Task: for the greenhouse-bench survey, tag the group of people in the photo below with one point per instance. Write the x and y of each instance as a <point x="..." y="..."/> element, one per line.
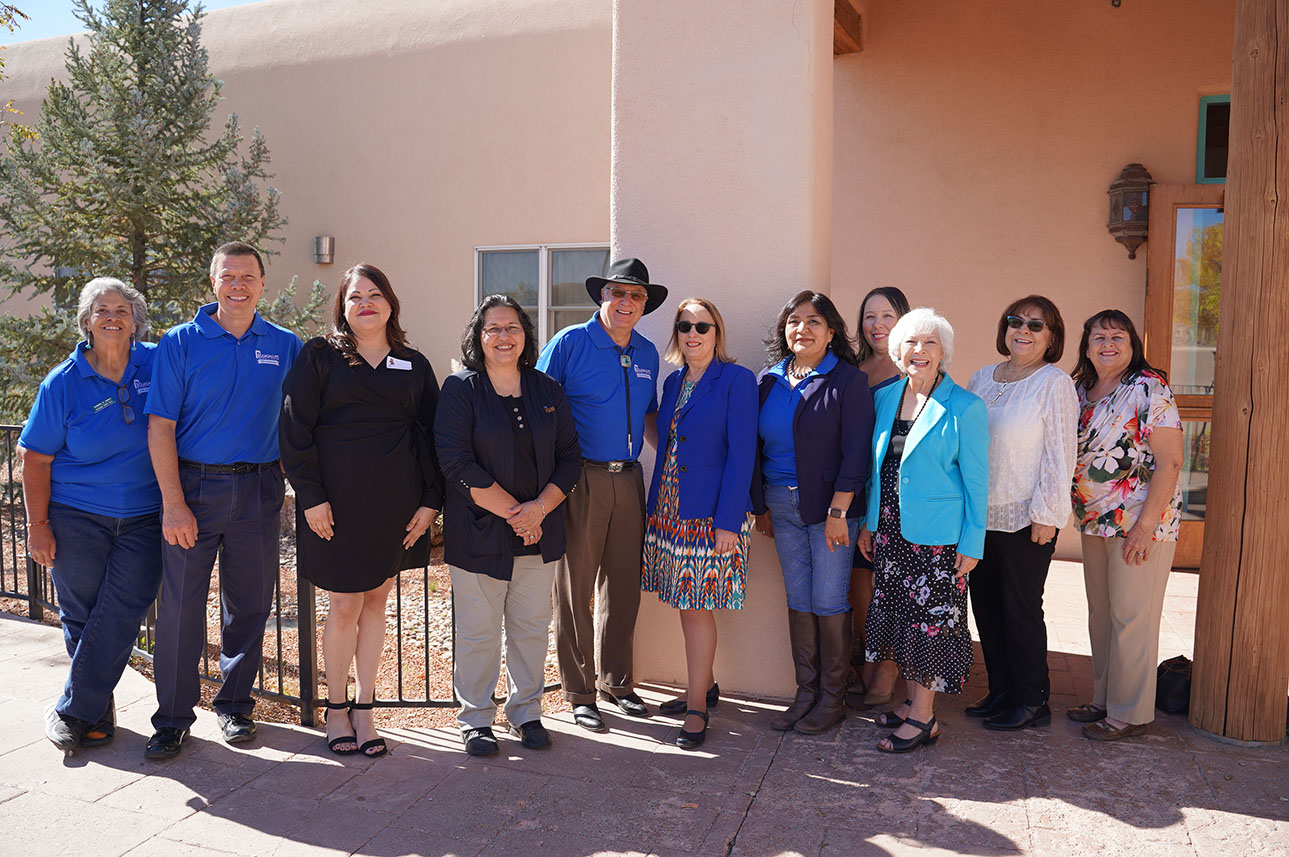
<point x="890" y="492"/>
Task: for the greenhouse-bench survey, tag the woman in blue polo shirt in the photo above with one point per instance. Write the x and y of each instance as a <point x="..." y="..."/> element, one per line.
<point x="92" y="502"/>
<point x="815" y="426"/>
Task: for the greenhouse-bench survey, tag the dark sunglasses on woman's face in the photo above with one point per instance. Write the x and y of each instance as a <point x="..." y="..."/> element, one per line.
<point x="702" y="326"/>
<point x="1034" y="324"/>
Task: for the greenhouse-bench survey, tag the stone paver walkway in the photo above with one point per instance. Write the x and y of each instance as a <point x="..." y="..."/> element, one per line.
<point x="752" y="793"/>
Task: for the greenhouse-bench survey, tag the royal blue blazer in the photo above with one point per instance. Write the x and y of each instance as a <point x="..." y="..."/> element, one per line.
<point x="944" y="472"/>
<point x="715" y="444"/>
<point x="832" y="432"/>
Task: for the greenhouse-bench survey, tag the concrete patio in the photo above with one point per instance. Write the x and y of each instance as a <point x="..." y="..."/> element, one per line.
<point x="751" y="793"/>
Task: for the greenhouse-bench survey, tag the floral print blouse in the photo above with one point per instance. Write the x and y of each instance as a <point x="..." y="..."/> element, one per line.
<point x="1115" y="464"/>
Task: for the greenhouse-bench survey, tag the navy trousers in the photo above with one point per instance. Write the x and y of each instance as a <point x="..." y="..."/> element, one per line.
<point x="237" y="519"/>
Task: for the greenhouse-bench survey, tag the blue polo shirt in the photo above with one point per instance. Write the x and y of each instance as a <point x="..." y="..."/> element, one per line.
<point x="101" y="462"/>
<point x="779" y="455"/>
<point x="590" y="367"/>
<point x="223" y="393"/>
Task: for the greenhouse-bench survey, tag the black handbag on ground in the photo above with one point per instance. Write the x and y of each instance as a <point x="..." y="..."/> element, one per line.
<point x="1173" y="686"/>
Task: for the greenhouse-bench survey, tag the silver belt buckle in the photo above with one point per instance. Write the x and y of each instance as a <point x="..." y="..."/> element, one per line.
<point x="615" y="466"/>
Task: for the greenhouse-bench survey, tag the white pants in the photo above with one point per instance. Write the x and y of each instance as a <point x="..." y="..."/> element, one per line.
<point x="481" y="603"/>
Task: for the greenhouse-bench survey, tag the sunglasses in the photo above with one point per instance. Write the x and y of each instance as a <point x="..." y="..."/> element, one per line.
<point x="123" y="396"/>
<point x="1015" y="322"/>
<point x="701" y="326"/>
<point x="617" y="293"/>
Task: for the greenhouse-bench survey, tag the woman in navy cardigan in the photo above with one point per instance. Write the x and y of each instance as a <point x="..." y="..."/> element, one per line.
<point x="509" y="453"/>
<point x="815" y="425"/>
<point x="695" y="550"/>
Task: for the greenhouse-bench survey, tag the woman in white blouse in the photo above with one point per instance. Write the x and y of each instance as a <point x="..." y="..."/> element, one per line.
<point x="1033" y="431"/>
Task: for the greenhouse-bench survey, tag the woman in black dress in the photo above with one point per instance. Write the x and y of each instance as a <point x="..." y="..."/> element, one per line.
<point x="356" y="439"/>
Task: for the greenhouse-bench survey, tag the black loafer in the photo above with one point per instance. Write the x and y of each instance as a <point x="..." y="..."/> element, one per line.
<point x="588" y="717"/>
<point x="164" y="743"/>
<point x="532" y="735"/>
<point x="681" y="703"/>
<point x="628" y="702"/>
<point x="988" y="705"/>
<point x="1019" y="717"/>
<point x="238" y="728"/>
<point x="480" y="742"/>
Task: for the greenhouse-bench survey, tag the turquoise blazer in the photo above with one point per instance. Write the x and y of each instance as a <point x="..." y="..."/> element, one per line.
<point x="944" y="472"/>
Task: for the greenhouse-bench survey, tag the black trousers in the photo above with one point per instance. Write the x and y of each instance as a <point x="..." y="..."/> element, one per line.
<point x="1007" y="601"/>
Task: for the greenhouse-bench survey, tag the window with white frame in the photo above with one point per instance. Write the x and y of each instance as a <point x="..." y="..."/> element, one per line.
<point x="548" y="280"/>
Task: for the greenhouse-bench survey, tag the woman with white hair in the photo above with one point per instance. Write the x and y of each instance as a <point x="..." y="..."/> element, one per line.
<point x="92" y="504"/>
<point x="925" y="525"/>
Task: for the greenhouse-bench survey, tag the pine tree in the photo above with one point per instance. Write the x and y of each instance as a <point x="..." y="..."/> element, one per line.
<point x="126" y="179"/>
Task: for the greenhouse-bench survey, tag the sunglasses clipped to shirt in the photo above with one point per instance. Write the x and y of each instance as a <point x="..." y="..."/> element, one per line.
<point x="1015" y="322"/>
<point x="702" y="326"/>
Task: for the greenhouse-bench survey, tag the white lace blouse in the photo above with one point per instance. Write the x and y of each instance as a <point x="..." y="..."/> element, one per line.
<point x="1033" y="435"/>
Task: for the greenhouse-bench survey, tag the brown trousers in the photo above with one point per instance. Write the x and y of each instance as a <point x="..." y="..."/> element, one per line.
<point x="604" y="518"/>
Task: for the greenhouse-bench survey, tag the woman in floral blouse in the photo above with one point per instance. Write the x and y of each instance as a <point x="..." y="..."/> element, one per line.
<point x="1128" y="508"/>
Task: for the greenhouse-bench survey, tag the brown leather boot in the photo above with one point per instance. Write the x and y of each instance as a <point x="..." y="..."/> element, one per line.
<point x="803" y="632"/>
<point x="834" y="666"/>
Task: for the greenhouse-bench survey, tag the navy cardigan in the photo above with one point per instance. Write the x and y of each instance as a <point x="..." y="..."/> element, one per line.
<point x="715" y="444"/>
<point x="476" y="446"/>
<point x="832" y="436"/>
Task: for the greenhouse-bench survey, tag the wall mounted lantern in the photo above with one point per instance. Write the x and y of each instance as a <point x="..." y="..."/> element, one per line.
<point x="1130" y="207"/>
<point x="324" y="250"/>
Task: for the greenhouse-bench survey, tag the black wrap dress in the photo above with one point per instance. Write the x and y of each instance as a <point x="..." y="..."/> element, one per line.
<point x="360" y="438"/>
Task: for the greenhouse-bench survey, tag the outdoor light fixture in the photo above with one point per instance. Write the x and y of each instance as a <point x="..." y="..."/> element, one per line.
<point x="1130" y="207"/>
<point x="324" y="249"/>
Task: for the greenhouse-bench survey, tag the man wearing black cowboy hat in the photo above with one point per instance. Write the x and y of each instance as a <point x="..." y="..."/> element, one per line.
<point x="609" y="374"/>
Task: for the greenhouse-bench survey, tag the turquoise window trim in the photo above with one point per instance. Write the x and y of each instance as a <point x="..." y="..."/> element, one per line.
<point x="1201" y="140"/>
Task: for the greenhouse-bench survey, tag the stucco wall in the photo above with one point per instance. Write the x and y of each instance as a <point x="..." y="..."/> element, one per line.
<point x="975" y="141"/>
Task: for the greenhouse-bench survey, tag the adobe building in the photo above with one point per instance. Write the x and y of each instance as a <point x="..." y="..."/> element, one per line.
<point x="746" y="150"/>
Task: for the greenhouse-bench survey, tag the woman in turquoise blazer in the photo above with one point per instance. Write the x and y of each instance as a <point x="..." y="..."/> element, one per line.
<point x="925" y="524"/>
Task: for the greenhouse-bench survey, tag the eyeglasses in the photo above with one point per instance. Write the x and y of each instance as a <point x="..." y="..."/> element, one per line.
<point x="1015" y="322"/>
<point x="123" y="396"/>
<point x="509" y="330"/>
<point x="700" y="326"/>
<point x="617" y="293"/>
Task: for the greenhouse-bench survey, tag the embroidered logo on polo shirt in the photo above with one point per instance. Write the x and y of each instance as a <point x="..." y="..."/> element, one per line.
<point x="642" y="372"/>
<point x="266" y="359"/>
<point x="142" y="387"/>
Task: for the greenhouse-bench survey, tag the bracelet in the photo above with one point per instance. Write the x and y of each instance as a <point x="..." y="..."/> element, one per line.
<point x="543" y="505"/>
<point x="44" y="523"/>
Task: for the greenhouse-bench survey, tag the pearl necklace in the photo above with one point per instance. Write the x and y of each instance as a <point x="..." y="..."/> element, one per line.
<point x="797" y="374"/>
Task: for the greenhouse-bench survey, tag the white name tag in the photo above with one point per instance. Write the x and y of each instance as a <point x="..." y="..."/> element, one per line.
<point x="393" y="362"/>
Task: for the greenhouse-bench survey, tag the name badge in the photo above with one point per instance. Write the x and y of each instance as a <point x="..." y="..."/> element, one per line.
<point x="392" y="362"/>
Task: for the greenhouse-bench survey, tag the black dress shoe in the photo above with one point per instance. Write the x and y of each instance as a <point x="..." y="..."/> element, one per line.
<point x="164" y="743"/>
<point x="681" y="703"/>
<point x="988" y="705"/>
<point x="238" y="728"/>
<point x="480" y="742"/>
<point x="588" y="717"/>
<point x="1020" y="716"/>
<point x="532" y="735"/>
<point x="628" y="702"/>
<point x="693" y="740"/>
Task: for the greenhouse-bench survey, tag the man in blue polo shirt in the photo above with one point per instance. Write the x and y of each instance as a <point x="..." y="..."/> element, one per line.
<point x="609" y="374"/>
<point x="212" y="434"/>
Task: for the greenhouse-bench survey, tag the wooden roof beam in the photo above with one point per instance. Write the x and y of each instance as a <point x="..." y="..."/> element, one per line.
<point x="845" y="29"/>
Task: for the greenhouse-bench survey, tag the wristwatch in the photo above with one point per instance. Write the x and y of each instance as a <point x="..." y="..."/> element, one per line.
<point x="834" y="512"/>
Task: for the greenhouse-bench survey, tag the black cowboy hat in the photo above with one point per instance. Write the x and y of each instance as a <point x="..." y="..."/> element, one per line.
<point x="631" y="272"/>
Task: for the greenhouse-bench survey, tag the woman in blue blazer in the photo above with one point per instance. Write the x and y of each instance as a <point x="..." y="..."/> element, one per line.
<point x="695" y="549"/>
<point x="815" y="425"/>
<point x="925" y="524"/>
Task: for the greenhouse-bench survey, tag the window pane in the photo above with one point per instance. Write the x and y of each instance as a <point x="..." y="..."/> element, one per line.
<point x="562" y="318"/>
<point x="569" y="270"/>
<point x="1197" y="283"/>
<point x="1217" y="135"/>
<point x="509" y="272"/>
<point x="1194" y="479"/>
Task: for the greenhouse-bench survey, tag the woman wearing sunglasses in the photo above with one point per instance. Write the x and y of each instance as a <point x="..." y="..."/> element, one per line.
<point x="92" y="504"/>
<point x="1033" y="428"/>
<point x="695" y="549"/>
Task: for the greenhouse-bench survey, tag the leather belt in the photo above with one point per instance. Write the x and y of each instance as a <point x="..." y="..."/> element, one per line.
<point x="236" y="468"/>
<point x="611" y="466"/>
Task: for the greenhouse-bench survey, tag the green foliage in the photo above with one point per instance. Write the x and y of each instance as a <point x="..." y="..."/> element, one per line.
<point x="305" y="319"/>
<point x="9" y="18"/>
<point x="29" y="347"/>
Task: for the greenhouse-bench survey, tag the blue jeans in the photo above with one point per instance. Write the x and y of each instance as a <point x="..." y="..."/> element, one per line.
<point x="106" y="573"/>
<point x="816" y="579"/>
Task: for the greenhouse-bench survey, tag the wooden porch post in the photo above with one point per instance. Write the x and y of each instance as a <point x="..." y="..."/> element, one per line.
<point x="1241" y="636"/>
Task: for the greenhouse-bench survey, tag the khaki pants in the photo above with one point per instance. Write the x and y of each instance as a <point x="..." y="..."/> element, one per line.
<point x="604" y="519"/>
<point x="481" y="604"/>
<point x="1125" y="603"/>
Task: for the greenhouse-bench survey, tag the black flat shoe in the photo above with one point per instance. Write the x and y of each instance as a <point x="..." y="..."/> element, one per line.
<point x="908" y="745"/>
<point x="164" y="743"/>
<point x="335" y="743"/>
<point x="628" y="702"/>
<point x="681" y="703"/>
<point x="376" y="744"/>
<point x="988" y="705"/>
<point x="1019" y="717"/>
<point x="693" y="740"/>
<point x="588" y="717"/>
<point x="891" y="720"/>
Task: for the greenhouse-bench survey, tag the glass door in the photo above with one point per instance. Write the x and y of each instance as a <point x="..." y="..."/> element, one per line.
<point x="1183" y="284"/>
